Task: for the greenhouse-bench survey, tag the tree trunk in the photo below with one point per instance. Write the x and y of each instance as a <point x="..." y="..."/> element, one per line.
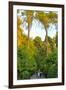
<point x="29" y="20"/>
<point x="46" y="40"/>
<point x="28" y="34"/>
<point x="28" y="16"/>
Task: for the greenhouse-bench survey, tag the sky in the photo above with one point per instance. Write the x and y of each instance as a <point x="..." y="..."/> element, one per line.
<point x="37" y="30"/>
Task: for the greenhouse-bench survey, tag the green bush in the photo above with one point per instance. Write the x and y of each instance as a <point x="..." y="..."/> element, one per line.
<point x="26" y="63"/>
<point x="52" y="72"/>
<point x="49" y="65"/>
<point x="34" y="59"/>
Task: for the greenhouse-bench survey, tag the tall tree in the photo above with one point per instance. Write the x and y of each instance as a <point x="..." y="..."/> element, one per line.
<point x="28" y="18"/>
<point x="46" y="18"/>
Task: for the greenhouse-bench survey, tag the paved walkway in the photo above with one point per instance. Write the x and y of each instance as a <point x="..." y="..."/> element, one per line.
<point x="37" y="75"/>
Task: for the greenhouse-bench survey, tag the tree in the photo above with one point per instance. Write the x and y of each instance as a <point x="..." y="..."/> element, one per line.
<point x="46" y="18"/>
<point x="38" y="42"/>
<point x="28" y="19"/>
<point x="52" y="43"/>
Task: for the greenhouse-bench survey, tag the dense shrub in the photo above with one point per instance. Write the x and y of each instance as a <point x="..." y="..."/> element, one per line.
<point x="26" y="63"/>
<point x="49" y="65"/>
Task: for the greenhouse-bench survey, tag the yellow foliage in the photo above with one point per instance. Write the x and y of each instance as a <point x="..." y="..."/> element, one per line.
<point x="19" y="38"/>
<point x="19" y="21"/>
<point x="19" y="33"/>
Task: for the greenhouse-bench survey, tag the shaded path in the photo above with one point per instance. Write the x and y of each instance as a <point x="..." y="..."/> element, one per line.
<point x="37" y="75"/>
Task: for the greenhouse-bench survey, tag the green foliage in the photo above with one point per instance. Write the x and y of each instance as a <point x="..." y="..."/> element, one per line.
<point x="52" y="72"/>
<point x="53" y="17"/>
<point x="34" y="60"/>
<point x="26" y="62"/>
<point x="38" y="42"/>
<point x="40" y="57"/>
<point x="52" y="43"/>
<point x="50" y="64"/>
